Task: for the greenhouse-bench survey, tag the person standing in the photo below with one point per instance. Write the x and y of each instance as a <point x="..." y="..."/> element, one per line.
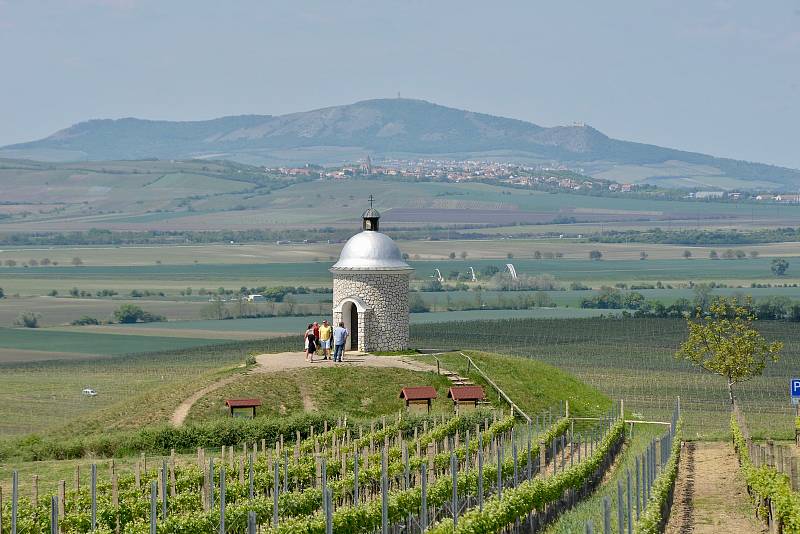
<point x="311" y="343"/>
<point x="316" y="333"/>
<point x="325" y="334"/>
<point x="340" y="334"/>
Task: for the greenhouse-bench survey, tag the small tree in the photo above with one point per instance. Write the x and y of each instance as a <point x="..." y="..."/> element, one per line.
<point x="452" y="255"/>
<point x="779" y="266"/>
<point x="463" y="255"/>
<point x="77" y="261"/>
<point x="725" y="342"/>
<point x="753" y="254"/>
<point x="713" y="255"/>
<point x="510" y="255"/>
<point x="687" y="254"/>
<point x="595" y="255"/>
<point x="128" y="313"/>
<point x="28" y="320"/>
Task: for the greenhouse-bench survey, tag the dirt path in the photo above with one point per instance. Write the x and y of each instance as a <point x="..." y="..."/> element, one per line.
<point x="282" y="361"/>
<point x="710" y="494"/>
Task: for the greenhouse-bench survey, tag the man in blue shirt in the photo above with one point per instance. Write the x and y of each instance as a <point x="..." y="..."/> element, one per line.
<point x="340" y="334"/>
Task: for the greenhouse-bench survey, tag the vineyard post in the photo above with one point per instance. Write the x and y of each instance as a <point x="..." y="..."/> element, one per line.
<point x="285" y="471"/>
<point x="115" y="499"/>
<point x="638" y="491"/>
<point x="94" y="497"/>
<point x="35" y="496"/>
<point x="423" y="513"/>
<point x="530" y="459"/>
<point x="454" y="475"/>
<point x="137" y="475"/>
<point x="500" y="469"/>
<point x="630" y="515"/>
<point x="53" y="515"/>
<point x="328" y="496"/>
<point x="77" y="478"/>
<point x="62" y="498"/>
<point x="211" y="483"/>
<point x="554" y="455"/>
<point x="355" y="477"/>
<point x="250" y="476"/>
<point x="222" y="499"/>
<point x="480" y="473"/>
<point x="606" y="515"/>
<point x="620" y="509"/>
<point x="153" y="508"/>
<point x="14" y="498"/>
<point x="164" y="489"/>
<point x="324" y="482"/>
<point x="384" y="493"/>
<point x="467" y="452"/>
<point x="542" y="458"/>
<point x="1" y="509"/>
<point x="516" y="466"/>
<point x="251" y="522"/>
<point x="173" y="490"/>
<point x="571" y="450"/>
<point x="589" y="527"/>
<point x="276" y="488"/>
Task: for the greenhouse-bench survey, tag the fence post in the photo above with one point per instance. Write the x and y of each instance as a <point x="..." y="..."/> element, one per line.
<point x="606" y="515"/>
<point x="164" y="474"/>
<point x="638" y="491"/>
<point x="324" y="482"/>
<point x="355" y="477"/>
<point x="620" y="509"/>
<point x="327" y="497"/>
<point x="499" y="469"/>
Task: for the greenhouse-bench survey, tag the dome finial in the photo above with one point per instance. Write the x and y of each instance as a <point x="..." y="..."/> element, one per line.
<point x="370" y="217"/>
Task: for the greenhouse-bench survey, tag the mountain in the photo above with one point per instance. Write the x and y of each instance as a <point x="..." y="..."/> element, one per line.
<point x="398" y="128"/>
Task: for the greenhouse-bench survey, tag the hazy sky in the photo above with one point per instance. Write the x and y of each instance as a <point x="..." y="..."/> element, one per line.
<point x="721" y="77"/>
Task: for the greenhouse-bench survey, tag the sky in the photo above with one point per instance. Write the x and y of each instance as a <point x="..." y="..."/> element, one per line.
<point x="719" y="77"/>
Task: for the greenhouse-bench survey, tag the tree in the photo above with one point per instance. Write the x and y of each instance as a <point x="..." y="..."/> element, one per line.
<point x="537" y="255"/>
<point x="215" y="309"/>
<point x="77" y="261"/>
<point x="779" y="266"/>
<point x="702" y="296"/>
<point x="595" y="255"/>
<point x="131" y="313"/>
<point x="463" y="255"/>
<point x="713" y="255"/>
<point x="726" y="343"/>
<point x="643" y="255"/>
<point x="2" y="295"/>
<point x="11" y="263"/>
<point x="416" y="304"/>
<point x="753" y="254"/>
<point x="510" y="255"/>
<point x="452" y="255"/>
<point x="687" y="254"/>
<point x="28" y="320"/>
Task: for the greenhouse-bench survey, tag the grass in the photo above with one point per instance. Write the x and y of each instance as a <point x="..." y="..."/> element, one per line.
<point x="634" y="359"/>
<point x="534" y="386"/>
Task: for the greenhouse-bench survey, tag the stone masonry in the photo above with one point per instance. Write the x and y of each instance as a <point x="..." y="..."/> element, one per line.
<point x="384" y="325"/>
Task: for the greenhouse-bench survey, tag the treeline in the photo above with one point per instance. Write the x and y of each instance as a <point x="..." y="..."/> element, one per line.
<point x="699" y="237"/>
<point x="770" y="308"/>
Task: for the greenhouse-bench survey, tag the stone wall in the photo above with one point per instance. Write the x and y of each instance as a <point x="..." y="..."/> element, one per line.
<point x="384" y="326"/>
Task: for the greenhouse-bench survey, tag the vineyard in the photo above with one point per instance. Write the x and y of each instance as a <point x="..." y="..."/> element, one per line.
<point x="634" y="359"/>
<point x="480" y="472"/>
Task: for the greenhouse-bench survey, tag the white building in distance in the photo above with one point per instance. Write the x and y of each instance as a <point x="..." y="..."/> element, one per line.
<point x="370" y="290"/>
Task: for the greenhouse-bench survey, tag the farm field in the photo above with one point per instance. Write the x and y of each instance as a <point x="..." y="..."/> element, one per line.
<point x="634" y="359"/>
<point x="172" y="279"/>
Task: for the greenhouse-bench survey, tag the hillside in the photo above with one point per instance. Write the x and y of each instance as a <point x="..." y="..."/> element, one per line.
<point x="396" y="127"/>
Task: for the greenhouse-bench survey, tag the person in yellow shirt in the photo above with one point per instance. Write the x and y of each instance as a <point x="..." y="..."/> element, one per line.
<point x="325" y="332"/>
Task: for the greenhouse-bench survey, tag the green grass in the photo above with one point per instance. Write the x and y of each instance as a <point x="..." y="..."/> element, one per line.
<point x="534" y="386"/>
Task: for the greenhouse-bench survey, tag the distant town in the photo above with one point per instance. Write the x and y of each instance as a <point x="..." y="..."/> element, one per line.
<point x="551" y="177"/>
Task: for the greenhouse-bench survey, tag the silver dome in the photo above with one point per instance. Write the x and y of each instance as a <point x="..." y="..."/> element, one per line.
<point x="370" y="251"/>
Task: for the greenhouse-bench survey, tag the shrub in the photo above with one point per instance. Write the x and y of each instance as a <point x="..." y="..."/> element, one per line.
<point x="84" y="320"/>
<point x="28" y="319"/>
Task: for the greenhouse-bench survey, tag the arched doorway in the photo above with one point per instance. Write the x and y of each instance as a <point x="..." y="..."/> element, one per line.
<point x="350" y="319"/>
